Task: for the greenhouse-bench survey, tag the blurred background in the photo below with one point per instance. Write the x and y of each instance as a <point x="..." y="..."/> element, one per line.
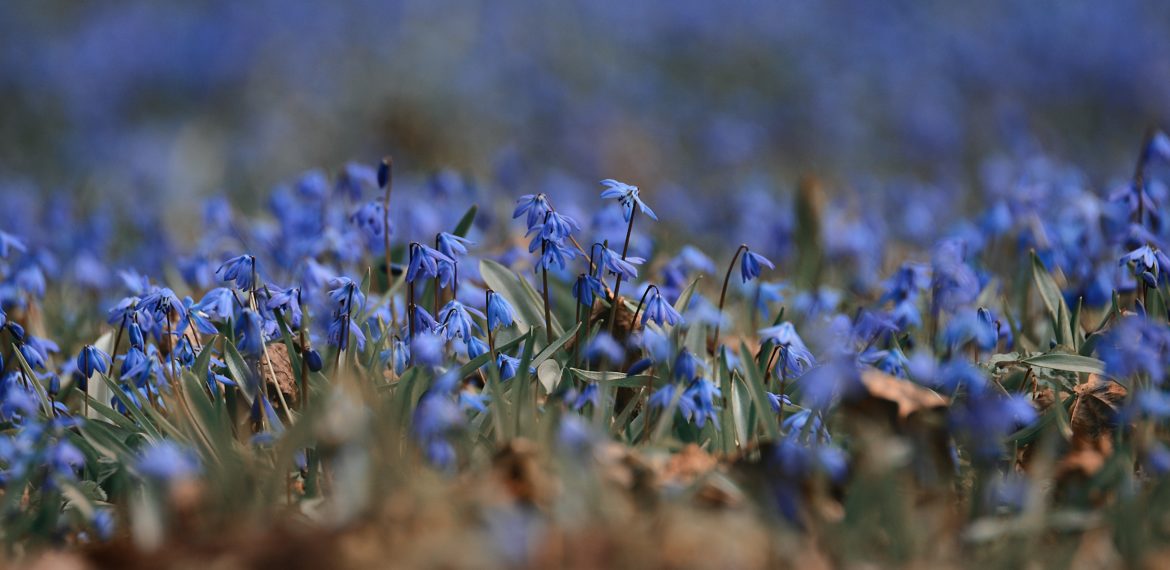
<point x="156" y="105"/>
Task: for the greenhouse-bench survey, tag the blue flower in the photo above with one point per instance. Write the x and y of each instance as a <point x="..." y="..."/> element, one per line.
<point x="343" y="329"/>
<point x="751" y="263"/>
<point x="954" y="283"/>
<point x="354" y="178"/>
<point x="369" y="219"/>
<point x="662" y="397"/>
<point x="9" y="242"/>
<point x="218" y="304"/>
<point x="165" y="461"/>
<point x="475" y="347"/>
<point x="591" y="394"/>
<point x="659" y="311"/>
<point x="686" y="365"/>
<point x="508" y="365"/>
<point x="586" y="287"/>
<point x="426" y="349"/>
<point x="452" y="245"/>
<point x="556" y="228"/>
<point x="424" y="262"/>
<point x="604" y="347"/>
<point x="457" y="321"/>
<point x="698" y="402"/>
<point x="1133" y="346"/>
<point x="624" y="268"/>
<point x="423" y="321"/>
<point x="499" y="311"/>
<point x="555" y="254"/>
<point x="92" y="360"/>
<point x="250" y="333"/>
<point x="238" y="269"/>
<point x="627" y="196"/>
<point x="535" y="205"/>
<point x="968" y="327"/>
<point x="1146" y="259"/>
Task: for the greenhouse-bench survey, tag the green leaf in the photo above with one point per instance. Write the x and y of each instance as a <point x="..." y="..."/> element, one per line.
<point x="684" y="298"/>
<point x="1058" y="311"/>
<point x="755" y="384"/>
<point x="612" y="378"/>
<point x="241" y="372"/>
<point x="465" y="222"/>
<point x="555" y="346"/>
<point x="1067" y="363"/>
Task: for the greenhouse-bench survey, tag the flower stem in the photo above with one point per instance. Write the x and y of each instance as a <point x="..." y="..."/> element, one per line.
<point x="642" y="302"/>
<point x="389" y="162"/>
<point x="711" y="344"/>
<point x="617" y="285"/>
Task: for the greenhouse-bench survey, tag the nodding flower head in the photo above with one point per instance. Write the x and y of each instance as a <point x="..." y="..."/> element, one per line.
<point x="613" y="262"/>
<point x="499" y="311"/>
<point x="555" y="254"/>
<point x="452" y="245"/>
<point x="457" y="321"/>
<point x="698" y="403"/>
<point x="627" y="196"/>
<point x="346" y="295"/>
<point x="1147" y="259"/>
<point x="751" y="264"/>
<point x="586" y="287"/>
<point x="424" y="262"/>
<point x="554" y="228"/>
<point x="535" y="205"/>
<point x="250" y="332"/>
<point x="238" y="269"/>
<point x="659" y="311"/>
<point x="91" y="360"/>
<point x="423" y="321"/>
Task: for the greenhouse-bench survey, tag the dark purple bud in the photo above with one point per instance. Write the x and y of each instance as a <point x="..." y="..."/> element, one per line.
<point x="313" y="359"/>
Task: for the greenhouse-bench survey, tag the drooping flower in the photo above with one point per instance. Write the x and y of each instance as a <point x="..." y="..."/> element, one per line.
<point x="424" y="262"/>
<point x="659" y="311"/>
<point x="586" y="287"/>
<point x="457" y="321"/>
<point x="751" y="264"/>
<point x="238" y="269"/>
<point x="613" y="262"/>
<point x="452" y="245"/>
<point x="92" y="360"/>
<point x="698" y="402"/>
<point x="499" y="311"/>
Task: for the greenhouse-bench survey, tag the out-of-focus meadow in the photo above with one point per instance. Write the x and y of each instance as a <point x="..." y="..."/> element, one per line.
<point x="584" y="284"/>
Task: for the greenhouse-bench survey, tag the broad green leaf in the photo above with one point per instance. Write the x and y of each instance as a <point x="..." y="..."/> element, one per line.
<point x="755" y="383"/>
<point x="465" y="222"/>
<point x="1067" y="363"/>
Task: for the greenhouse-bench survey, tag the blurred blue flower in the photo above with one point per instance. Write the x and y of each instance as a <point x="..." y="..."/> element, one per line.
<point x="166" y="461"/>
<point x="238" y="269"/>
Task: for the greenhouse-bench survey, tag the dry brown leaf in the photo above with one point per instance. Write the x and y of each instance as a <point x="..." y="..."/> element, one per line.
<point x="280" y="375"/>
<point x="908" y="396"/>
